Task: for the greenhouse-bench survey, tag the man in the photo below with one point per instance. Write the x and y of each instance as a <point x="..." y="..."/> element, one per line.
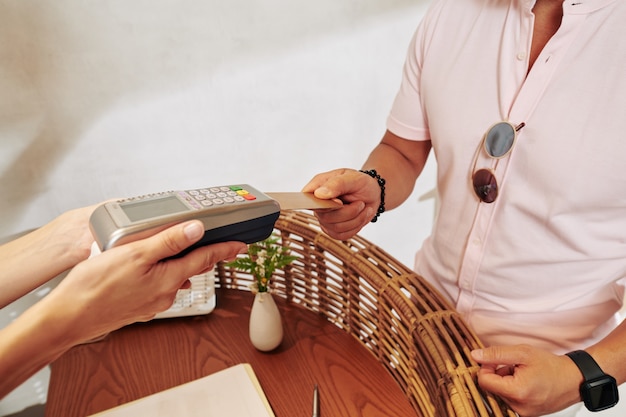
<point x="523" y="104"/>
<point x="123" y="285"/>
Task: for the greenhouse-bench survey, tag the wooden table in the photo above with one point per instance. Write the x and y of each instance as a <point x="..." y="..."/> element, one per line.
<point x="145" y="358"/>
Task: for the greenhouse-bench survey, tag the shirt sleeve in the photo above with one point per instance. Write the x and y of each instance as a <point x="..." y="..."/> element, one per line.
<point x="407" y="117"/>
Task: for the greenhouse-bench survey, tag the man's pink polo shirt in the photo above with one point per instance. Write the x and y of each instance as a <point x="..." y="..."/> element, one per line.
<point x="542" y="264"/>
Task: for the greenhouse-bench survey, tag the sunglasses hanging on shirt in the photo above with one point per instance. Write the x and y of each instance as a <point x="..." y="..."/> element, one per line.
<point x="497" y="143"/>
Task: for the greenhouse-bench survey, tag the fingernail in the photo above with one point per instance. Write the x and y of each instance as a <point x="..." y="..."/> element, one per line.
<point x="477" y="354"/>
<point x="322" y="192"/>
<point x="193" y="231"/>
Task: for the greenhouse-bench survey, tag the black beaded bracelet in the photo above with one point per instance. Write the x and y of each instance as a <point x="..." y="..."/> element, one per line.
<point x="381" y="183"/>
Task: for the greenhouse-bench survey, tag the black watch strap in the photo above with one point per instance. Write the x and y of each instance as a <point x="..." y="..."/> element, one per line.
<point x="599" y="390"/>
<point x="587" y="365"/>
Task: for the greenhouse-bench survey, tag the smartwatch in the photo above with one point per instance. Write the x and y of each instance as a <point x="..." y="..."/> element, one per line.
<point x="599" y="390"/>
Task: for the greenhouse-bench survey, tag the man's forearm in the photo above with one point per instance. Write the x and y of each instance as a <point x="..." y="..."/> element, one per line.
<point x="399" y="161"/>
<point x="610" y="353"/>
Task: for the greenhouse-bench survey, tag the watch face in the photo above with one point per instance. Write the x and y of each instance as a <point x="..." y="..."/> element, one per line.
<point x="600" y="393"/>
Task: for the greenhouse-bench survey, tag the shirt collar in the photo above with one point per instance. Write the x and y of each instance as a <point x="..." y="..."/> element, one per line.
<point x="585" y="6"/>
<point x="577" y="6"/>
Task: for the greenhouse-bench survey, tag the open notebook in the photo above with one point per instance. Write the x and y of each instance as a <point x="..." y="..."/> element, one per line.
<point x="233" y="392"/>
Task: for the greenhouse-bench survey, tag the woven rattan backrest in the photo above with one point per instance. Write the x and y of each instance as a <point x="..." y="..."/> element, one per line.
<point x="393" y="312"/>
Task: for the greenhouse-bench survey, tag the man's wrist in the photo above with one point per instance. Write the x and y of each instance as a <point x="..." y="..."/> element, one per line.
<point x="598" y="390"/>
<point x="381" y="184"/>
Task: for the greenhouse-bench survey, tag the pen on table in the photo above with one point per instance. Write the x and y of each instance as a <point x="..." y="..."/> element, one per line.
<point x="316" y="402"/>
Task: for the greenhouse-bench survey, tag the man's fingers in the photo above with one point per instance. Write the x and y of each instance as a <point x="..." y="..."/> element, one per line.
<point x="319" y="180"/>
<point x="341" y="184"/>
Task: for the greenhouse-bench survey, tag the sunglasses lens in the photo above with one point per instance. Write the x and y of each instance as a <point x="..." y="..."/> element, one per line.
<point x="485" y="185"/>
<point x="499" y="139"/>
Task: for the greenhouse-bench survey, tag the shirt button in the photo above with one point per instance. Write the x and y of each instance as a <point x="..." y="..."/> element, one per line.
<point x="477" y="241"/>
<point x="521" y="56"/>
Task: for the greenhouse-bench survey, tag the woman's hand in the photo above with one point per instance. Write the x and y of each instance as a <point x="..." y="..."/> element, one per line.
<point x="132" y="282"/>
<point x="123" y="285"/>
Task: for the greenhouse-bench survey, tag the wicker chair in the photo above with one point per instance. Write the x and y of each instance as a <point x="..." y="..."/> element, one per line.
<point x="393" y="312"/>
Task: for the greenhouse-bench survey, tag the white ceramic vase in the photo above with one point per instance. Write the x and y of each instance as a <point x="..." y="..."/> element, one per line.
<point x="266" y="326"/>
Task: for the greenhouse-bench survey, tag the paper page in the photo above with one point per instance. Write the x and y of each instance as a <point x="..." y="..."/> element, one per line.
<point x="233" y="392"/>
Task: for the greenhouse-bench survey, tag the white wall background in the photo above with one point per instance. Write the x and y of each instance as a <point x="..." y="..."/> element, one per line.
<point x="117" y="98"/>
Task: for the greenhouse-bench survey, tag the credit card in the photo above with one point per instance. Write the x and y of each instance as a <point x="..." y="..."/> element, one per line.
<point x="302" y="201"/>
